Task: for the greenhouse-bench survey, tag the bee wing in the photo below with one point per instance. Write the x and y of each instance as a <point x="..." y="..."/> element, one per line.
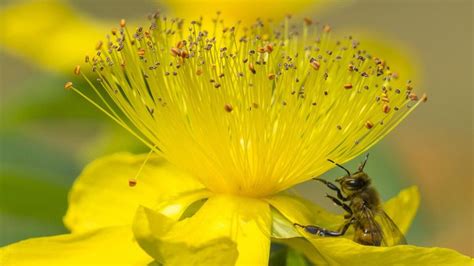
<point x="390" y="231"/>
<point x="372" y="227"/>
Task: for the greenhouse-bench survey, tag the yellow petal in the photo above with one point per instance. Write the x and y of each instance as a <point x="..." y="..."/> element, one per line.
<point x="176" y="206"/>
<point x="151" y="226"/>
<point x="245" y="10"/>
<point x="222" y="220"/>
<point x="101" y="195"/>
<point x="402" y="208"/>
<point x="302" y="211"/>
<point x="341" y="251"/>
<point x="49" y="33"/>
<point x="108" y="246"/>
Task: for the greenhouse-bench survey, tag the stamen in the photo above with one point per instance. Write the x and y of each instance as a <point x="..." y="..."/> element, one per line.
<point x="133" y="181"/>
<point x="291" y="95"/>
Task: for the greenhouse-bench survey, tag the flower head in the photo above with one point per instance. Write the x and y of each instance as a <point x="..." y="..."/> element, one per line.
<point x="248" y="111"/>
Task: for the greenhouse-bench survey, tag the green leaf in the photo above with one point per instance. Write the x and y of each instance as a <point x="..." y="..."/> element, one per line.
<point x="278" y="256"/>
<point x="18" y="227"/>
<point x="294" y="258"/>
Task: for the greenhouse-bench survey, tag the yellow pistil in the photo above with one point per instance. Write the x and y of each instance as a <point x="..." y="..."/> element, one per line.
<point x="249" y="111"/>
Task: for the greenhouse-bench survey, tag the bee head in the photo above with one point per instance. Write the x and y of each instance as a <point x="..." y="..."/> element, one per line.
<point x="352" y="183"/>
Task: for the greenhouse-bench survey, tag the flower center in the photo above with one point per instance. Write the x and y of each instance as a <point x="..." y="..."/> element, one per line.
<point x="251" y="111"/>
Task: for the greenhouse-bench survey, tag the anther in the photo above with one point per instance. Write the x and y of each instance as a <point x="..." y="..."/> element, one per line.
<point x="181" y="44"/>
<point x="184" y="54"/>
<point x="314" y="63"/>
<point x="122" y="23"/>
<point x="68" y="85"/>
<point x="369" y="124"/>
<point x="424" y="98"/>
<point x="386" y="108"/>
<point x="175" y="51"/>
<point x="132" y="182"/>
<point x="77" y="70"/>
<point x="271" y="76"/>
<point x="269" y="48"/>
<point x="99" y="45"/>
<point x="413" y="96"/>
<point x="326" y="28"/>
<point x="252" y="68"/>
<point x="228" y="108"/>
<point x="348" y="86"/>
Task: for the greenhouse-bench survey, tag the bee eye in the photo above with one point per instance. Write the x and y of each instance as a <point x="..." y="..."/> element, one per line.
<point x="354" y="184"/>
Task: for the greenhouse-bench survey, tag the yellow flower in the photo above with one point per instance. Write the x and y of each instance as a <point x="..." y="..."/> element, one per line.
<point x="248" y="113"/>
<point x="245" y="10"/>
<point x="238" y="116"/>
<point x="44" y="31"/>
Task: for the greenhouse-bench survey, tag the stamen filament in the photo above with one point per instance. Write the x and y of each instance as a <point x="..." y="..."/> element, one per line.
<point x="132" y="182"/>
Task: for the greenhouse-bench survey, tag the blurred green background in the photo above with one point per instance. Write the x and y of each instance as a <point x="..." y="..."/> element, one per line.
<point x="48" y="135"/>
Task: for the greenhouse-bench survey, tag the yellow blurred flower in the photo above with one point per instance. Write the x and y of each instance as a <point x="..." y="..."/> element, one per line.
<point x="245" y="10"/>
<point x="48" y="33"/>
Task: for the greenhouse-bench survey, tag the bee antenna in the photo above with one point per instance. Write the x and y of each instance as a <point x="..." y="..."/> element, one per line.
<point x="361" y="167"/>
<point x="348" y="173"/>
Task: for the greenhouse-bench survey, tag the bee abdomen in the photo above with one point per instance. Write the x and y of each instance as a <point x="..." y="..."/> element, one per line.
<point x="367" y="237"/>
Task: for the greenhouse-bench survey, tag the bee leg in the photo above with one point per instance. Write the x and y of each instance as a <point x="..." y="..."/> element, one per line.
<point x="312" y="229"/>
<point x="343" y="205"/>
<point x="341" y="232"/>
<point x="332" y="187"/>
<point x="316" y="230"/>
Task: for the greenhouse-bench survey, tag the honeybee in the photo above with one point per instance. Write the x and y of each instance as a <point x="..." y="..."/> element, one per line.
<point x="372" y="226"/>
